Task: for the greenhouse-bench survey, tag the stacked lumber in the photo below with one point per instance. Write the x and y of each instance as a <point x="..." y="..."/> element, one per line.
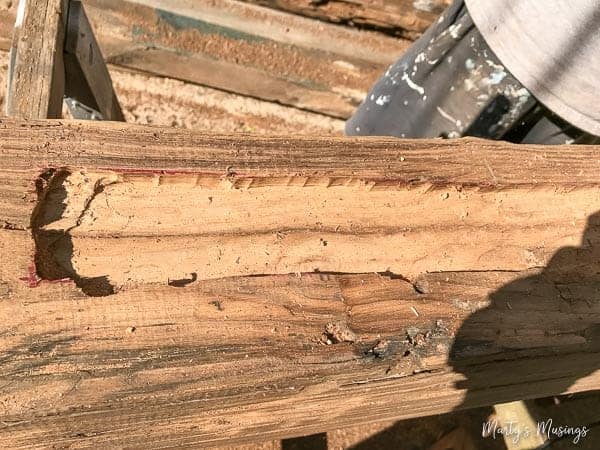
<point x="262" y="296"/>
<point x="150" y="99"/>
<point x="244" y="49"/>
<point x="273" y="70"/>
<point x="403" y="18"/>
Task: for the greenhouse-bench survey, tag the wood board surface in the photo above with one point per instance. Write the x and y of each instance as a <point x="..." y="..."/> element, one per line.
<point x="183" y="362"/>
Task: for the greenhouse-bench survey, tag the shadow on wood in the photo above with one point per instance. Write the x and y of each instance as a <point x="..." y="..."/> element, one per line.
<point x="555" y="312"/>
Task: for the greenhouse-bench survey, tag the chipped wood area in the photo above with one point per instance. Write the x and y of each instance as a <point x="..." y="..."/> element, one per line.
<point x="176" y="360"/>
<point x="216" y="226"/>
<point x="405" y="18"/>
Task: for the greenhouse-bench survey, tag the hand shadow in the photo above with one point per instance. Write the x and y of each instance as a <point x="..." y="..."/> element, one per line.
<point x="538" y="334"/>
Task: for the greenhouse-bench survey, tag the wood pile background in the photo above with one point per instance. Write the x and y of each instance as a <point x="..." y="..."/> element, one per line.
<point x="262" y="66"/>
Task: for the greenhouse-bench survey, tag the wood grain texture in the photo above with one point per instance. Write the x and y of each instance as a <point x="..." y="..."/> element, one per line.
<point x="285" y="28"/>
<point x="211" y="227"/>
<point x="36" y="78"/>
<point x="397" y="17"/>
<point x="258" y="59"/>
<point x="234" y="359"/>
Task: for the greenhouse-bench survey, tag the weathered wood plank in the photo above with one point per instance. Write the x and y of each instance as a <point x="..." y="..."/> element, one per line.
<point x="87" y="77"/>
<point x="254" y="63"/>
<point x="398" y="17"/>
<point x="245" y="49"/>
<point x="242" y="359"/>
<point x="388" y="162"/>
<point x="285" y="28"/>
<point x="7" y="23"/>
<point x="186" y="362"/>
<point x="147" y="98"/>
<point x="378" y="162"/>
<point x="36" y="73"/>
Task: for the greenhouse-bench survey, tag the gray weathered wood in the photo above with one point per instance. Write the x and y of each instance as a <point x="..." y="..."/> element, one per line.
<point x="36" y="73"/>
<point x="87" y="77"/>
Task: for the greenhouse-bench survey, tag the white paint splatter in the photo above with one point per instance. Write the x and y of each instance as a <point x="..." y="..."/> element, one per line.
<point x="411" y="84"/>
<point x="20" y="13"/>
<point x="447" y="116"/>
<point x="420" y="58"/>
<point x="522" y="93"/>
<point x="493" y="65"/>
<point x="469" y="85"/>
<point x="454" y="30"/>
<point x="469" y="64"/>
<point x="497" y="76"/>
<point x="383" y="100"/>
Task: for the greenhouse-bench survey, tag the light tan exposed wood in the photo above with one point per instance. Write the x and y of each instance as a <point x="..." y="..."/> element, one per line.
<point x="36" y="79"/>
<point x="186" y="363"/>
<point x="516" y="417"/>
<point x="214" y="227"/>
